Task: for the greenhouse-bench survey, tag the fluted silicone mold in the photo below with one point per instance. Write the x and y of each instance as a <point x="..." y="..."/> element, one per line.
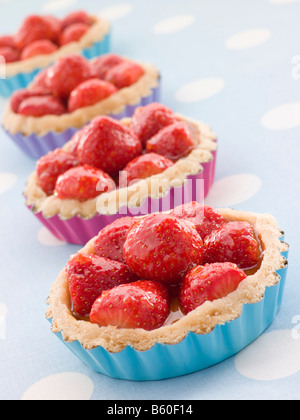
<point x="37" y="146"/>
<point x="79" y="231"/>
<point x="9" y="85"/>
<point x="196" y="352"/>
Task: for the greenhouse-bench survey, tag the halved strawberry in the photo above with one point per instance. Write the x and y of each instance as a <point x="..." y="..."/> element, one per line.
<point x="73" y="33"/>
<point x="144" y="167"/>
<point x="163" y="248"/>
<point x="51" y="166"/>
<point x="20" y="95"/>
<point x="90" y="275"/>
<point x="104" y="63"/>
<point x="143" y="304"/>
<point x="110" y="241"/>
<point x="42" y="47"/>
<point x="208" y="283"/>
<point x="149" y="120"/>
<point x="205" y="218"/>
<point x="233" y="242"/>
<point x="35" y="28"/>
<point x="124" y="74"/>
<point x="7" y="41"/>
<point x="9" y="54"/>
<point x="83" y="183"/>
<point x="39" y="106"/>
<point x="89" y="93"/>
<point x="173" y="142"/>
<point x="79" y="16"/>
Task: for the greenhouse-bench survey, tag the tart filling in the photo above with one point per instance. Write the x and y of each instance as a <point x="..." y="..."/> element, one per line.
<point x="203" y="318"/>
<point x="155" y="182"/>
<point x="98" y="29"/>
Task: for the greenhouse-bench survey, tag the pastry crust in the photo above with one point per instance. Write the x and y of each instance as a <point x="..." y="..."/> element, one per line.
<point x="133" y="196"/>
<point x="96" y="33"/>
<point x="113" y="105"/>
<point x="200" y="321"/>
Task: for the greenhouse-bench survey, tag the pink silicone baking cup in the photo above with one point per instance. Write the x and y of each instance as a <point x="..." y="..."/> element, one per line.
<point x="79" y="231"/>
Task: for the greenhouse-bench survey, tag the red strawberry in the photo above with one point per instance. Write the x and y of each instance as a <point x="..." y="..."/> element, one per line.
<point x="9" y="54"/>
<point x="7" y="41"/>
<point x="83" y="183"/>
<point x="74" y="142"/>
<point x="149" y="120"/>
<point x="90" y="275"/>
<point x="204" y="218"/>
<point x="55" y="26"/>
<point x="107" y="144"/>
<point x="38" y="48"/>
<point x="41" y="82"/>
<point x="73" y="33"/>
<point x="104" y="63"/>
<point x="19" y="96"/>
<point x="51" y="166"/>
<point x="233" y="242"/>
<point x="67" y="73"/>
<point x="89" y="93"/>
<point x="163" y="248"/>
<point x="174" y="141"/>
<point x="110" y="241"/>
<point x="39" y="106"/>
<point x="79" y="16"/>
<point x="143" y="304"/>
<point x="124" y="74"/>
<point x="34" y="28"/>
<point x="208" y="283"/>
<point x="144" y="167"/>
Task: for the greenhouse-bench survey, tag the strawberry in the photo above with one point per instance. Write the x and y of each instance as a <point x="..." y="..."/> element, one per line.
<point x="149" y="120"/>
<point x="124" y="74"/>
<point x="83" y="183"/>
<point x="142" y="304"/>
<point x="233" y="242"/>
<point x="208" y="283"/>
<point x="73" y="33"/>
<point x="144" y="167"/>
<point x="203" y="217"/>
<point x="34" y="28"/>
<point x="90" y="275"/>
<point x="104" y="63"/>
<point x="51" y="166"/>
<point x="108" y="144"/>
<point x="89" y="93"/>
<point x="163" y="248"/>
<point x="55" y="26"/>
<point x="67" y="73"/>
<point x="79" y="16"/>
<point x="9" y="54"/>
<point x="39" y="106"/>
<point x="74" y="142"/>
<point x="7" y="41"/>
<point x="41" y="82"/>
<point x="110" y="241"/>
<point x="42" y="47"/>
<point x="19" y="96"/>
<point x="174" y="141"/>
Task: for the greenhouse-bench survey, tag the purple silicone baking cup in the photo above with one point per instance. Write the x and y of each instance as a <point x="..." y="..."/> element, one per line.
<point x="79" y="231"/>
<point x="37" y="146"/>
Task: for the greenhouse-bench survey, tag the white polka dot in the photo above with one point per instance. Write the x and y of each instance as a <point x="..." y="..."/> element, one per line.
<point x="233" y="190"/>
<point x="283" y="117"/>
<point x="248" y="39"/>
<point x="64" y="386"/>
<point x="7" y="181"/>
<point x="173" y="24"/>
<point x="200" y="90"/>
<point x="116" y="12"/>
<point x="46" y="238"/>
<point x="56" y="5"/>
<point x="273" y="356"/>
<point x="282" y="1"/>
<point x="3" y="315"/>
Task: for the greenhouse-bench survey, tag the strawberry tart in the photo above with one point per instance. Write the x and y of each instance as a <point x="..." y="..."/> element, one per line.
<point x="168" y="294"/>
<point x="66" y="96"/>
<point x="112" y="168"/>
<point x="41" y="40"/>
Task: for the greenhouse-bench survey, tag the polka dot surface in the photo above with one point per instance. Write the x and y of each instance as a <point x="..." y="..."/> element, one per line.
<point x="116" y="12"/>
<point x="69" y="386"/>
<point x="283" y="117"/>
<point x="273" y="356"/>
<point x="248" y="39"/>
<point x="200" y="90"/>
<point x="233" y="190"/>
<point x="7" y="181"/>
<point x="173" y="24"/>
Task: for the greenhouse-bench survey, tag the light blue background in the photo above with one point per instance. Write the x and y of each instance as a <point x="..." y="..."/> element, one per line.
<point x="256" y="80"/>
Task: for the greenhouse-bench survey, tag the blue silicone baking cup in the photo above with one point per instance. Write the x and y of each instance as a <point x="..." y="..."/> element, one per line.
<point x="196" y="352"/>
<point x="9" y="85"/>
